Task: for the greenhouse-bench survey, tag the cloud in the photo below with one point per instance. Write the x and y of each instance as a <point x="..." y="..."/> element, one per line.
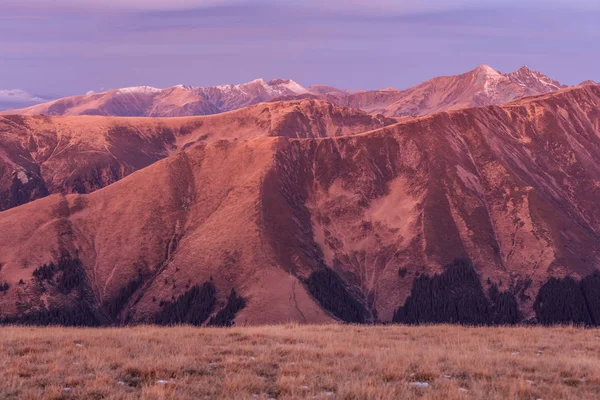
<point x="396" y="6"/>
<point x="18" y="96"/>
<point x="364" y="6"/>
<point x="133" y="5"/>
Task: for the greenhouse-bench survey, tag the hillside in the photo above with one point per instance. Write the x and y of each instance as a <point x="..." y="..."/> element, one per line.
<point x="316" y="229"/>
<point x="41" y="155"/>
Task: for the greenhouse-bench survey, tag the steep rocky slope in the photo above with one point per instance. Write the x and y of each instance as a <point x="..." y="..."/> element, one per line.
<point x="295" y="225"/>
<point x="41" y="155"/>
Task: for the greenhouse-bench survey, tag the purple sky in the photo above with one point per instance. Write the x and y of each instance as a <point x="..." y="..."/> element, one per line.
<point x="62" y="47"/>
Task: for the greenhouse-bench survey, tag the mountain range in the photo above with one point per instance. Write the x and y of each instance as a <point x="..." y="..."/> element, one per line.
<point x="479" y="87"/>
<point x="301" y="208"/>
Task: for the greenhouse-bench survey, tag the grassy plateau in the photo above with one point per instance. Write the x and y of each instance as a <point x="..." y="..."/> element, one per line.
<point x="294" y="362"/>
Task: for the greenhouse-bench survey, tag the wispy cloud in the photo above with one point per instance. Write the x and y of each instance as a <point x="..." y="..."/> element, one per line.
<point x="364" y="6"/>
<point x="117" y="5"/>
<point x="18" y="96"/>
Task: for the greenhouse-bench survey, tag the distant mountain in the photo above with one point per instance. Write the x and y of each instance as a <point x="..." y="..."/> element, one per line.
<point x="480" y="87"/>
<point x="177" y="101"/>
<point x="17" y="98"/>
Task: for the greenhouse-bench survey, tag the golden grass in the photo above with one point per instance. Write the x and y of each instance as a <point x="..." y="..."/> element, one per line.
<point x="292" y="361"/>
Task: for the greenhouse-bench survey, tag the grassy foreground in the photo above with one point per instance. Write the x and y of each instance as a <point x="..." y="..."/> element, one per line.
<point x="291" y="361"/>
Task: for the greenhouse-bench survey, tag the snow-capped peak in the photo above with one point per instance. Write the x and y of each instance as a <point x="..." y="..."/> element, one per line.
<point x="489" y="77"/>
<point x="486" y="70"/>
<point x="139" y="90"/>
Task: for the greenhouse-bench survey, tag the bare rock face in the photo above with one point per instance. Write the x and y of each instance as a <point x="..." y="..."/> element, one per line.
<point x="42" y="155"/>
<point x="329" y="228"/>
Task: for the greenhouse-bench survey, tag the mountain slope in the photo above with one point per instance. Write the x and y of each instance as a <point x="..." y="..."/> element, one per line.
<point x="41" y="155"/>
<point x="336" y="227"/>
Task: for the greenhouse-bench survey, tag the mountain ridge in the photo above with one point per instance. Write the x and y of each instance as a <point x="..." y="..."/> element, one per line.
<point x="79" y="154"/>
<point x="480" y="86"/>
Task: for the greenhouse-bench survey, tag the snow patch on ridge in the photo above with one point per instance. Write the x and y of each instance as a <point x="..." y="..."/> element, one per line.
<point x="139" y="90"/>
<point x="275" y="87"/>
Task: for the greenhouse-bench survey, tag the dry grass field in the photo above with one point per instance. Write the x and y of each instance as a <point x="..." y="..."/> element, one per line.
<point x="291" y="362"/>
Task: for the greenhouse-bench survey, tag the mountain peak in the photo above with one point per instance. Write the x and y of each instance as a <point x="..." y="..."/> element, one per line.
<point x="486" y="70"/>
<point x="530" y="78"/>
<point x="258" y="80"/>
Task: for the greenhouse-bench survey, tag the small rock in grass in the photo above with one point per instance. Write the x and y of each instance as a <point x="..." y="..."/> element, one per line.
<point x="463" y="390"/>
<point x="329" y="394"/>
<point x="121" y="383"/>
<point x="448" y="376"/>
<point x="516" y="353"/>
<point x="78" y="345"/>
<point x="68" y="389"/>
<point x="419" y="384"/>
